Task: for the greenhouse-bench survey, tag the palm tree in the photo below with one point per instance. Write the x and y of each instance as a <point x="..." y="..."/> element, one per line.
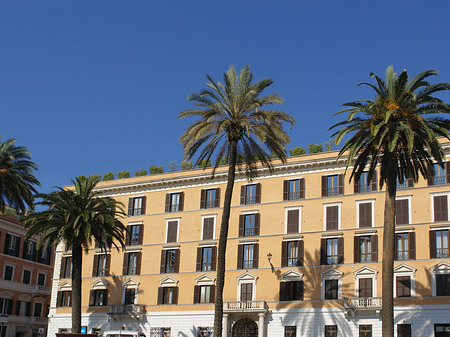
<point x="232" y="125"/>
<point x="75" y="218"/>
<point x="398" y="132"/>
<point x="17" y="178"/>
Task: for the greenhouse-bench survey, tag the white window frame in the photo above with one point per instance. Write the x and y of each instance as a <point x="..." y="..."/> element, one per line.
<point x="246" y="278"/>
<point x="325" y="205"/>
<point x="365" y="201"/>
<point x="409" y="198"/>
<point x="42" y="302"/>
<point x="9" y="264"/>
<point x="13" y="238"/>
<point x="366" y="272"/>
<point x="293" y="208"/>
<point x="178" y="220"/>
<point x="129" y="284"/>
<point x="438" y="269"/>
<point x="439" y="194"/>
<point x="405" y="270"/>
<point x="331" y="274"/>
<point x="41" y="272"/>
<point x="206" y="216"/>
<point x="31" y="274"/>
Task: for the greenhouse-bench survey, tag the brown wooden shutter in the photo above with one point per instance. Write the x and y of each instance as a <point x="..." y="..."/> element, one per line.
<point x="141" y="234"/>
<point x="138" y="263"/>
<point x="105" y="297"/>
<point x="240" y="257"/>
<point x="283" y="291"/>
<point x="447" y="172"/>
<point x="130" y="206"/>
<point x="128" y="236"/>
<point x="255" y="255"/>
<point x="340" y="249"/>
<point x="217" y="201"/>
<point x="212" y="294"/>
<point x="374" y="247"/>
<point x="143" y="205"/>
<point x="257" y="223"/>
<point x="243" y="195"/>
<point x="412" y="245"/>
<point x="323" y="251"/>
<point x="172" y="230"/>
<point x="125" y="264"/>
<point x="59" y="299"/>
<point x="293" y="217"/>
<point x="91" y="298"/>
<point x="196" y="294"/>
<point x="95" y="266"/>
<point x="430" y="175"/>
<point x="258" y="194"/>
<point x="284" y="245"/>
<point x="300" y="290"/>
<point x="341" y="183"/>
<point x="162" y="268"/>
<point x="160" y="295"/>
<point x="167" y="207"/>
<point x="202" y="200"/>
<point x="356" y="186"/>
<point x="302" y="186"/>
<point x="301" y="252"/>
<point x="332" y="221"/>
<point x="440" y="208"/>
<point x="241" y="224"/>
<point x="181" y="208"/>
<point x="324" y="186"/>
<point x="175" y="295"/>
<point x="176" y="267"/>
<point x="401" y="212"/>
<point x="432" y="244"/>
<point x="208" y="228"/>
<point x="108" y="263"/>
<point x="356" y="250"/>
<point x="374" y="181"/>
<point x="63" y="267"/>
<point x="286" y="190"/>
<point x="365" y="214"/>
<point x="199" y="259"/>
<point x="213" y="258"/>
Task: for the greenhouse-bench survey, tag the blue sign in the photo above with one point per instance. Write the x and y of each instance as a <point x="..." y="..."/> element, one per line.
<point x="84" y="329"/>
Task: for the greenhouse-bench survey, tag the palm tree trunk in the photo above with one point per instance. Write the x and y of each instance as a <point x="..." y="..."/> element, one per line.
<point x="388" y="251"/>
<point x="220" y="283"/>
<point x="77" y="255"/>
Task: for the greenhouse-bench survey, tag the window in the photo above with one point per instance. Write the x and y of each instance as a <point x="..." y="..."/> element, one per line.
<point x="168" y="295"/>
<point x="12" y="245"/>
<point x="250" y="194"/>
<point x="170" y="261"/>
<point x="130" y="296"/>
<point x="37" y="309"/>
<point x="294" y="189"/>
<point x="101" y="265"/>
<point x="23" y="308"/>
<point x="208" y="228"/>
<point x="248" y="256"/>
<point x="365" y="287"/>
<point x="293" y="220"/>
<point x="291" y="291"/>
<point x="134" y="235"/>
<point x="443" y="285"/>
<point x="44" y="255"/>
<point x="403" y="286"/>
<point x="6" y="306"/>
<point x="365" y="330"/>
<point x="439" y="243"/>
<point x="364" y="185"/>
<point x="132" y="263"/>
<point x="366" y="249"/>
<point x="8" y="272"/>
<point x="210" y="198"/>
<point x="405" y="246"/>
<point x="332" y="215"/>
<point x="206" y="258"/>
<point x="290" y="331"/>
<point x="292" y="253"/>
<point x="204" y="294"/>
<point x="332" y="251"/>
<point x="404" y="330"/>
<point x="249" y="225"/>
<point x="29" y="251"/>
<point x="332" y="185"/>
<point x="98" y="298"/>
<point x="26" y="276"/>
<point x="64" y="299"/>
<point x="246" y="294"/>
<point x="331" y="331"/>
<point x="440" y="205"/>
<point x="66" y="267"/>
<point x="136" y="206"/>
<point x="440" y="176"/>
<point x="174" y="202"/>
<point x="331" y="289"/>
<point x="41" y="279"/>
<point x="172" y="231"/>
<point x="402" y="211"/>
<point x="365" y="214"/>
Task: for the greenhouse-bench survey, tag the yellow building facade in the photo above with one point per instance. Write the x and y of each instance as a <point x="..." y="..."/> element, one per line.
<point x="303" y="255"/>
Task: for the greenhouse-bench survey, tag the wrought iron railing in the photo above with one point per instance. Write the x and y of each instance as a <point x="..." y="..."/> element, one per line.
<point x="363" y="302"/>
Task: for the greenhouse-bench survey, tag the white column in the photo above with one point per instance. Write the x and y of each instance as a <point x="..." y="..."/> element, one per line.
<point x="225" y="325"/>
<point x="261" y="325"/>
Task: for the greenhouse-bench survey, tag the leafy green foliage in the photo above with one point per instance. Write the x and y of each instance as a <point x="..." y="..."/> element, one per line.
<point x="123" y="174"/>
<point x="156" y="169"/>
<point x="172" y="166"/>
<point x="108" y="176"/>
<point x="96" y="177"/>
<point x="186" y="165"/>
<point x="315" y="148"/>
<point x="204" y="164"/>
<point x="297" y="151"/>
<point x="140" y="173"/>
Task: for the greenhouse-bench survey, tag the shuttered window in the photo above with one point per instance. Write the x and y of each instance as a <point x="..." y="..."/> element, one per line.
<point x="204" y="294"/>
<point x="208" y="229"/>
<point x="440" y="208"/>
<point x="170" y="261"/>
<point x="174" y="202"/>
<point x="132" y="263"/>
<point x="365" y="214"/>
<point x="365" y="287"/>
<point x="168" y="295"/>
<point x="331" y="289"/>
<point x="135" y="235"/>
<point x="402" y="212"/>
<point x="364" y="185"/>
<point x="250" y="194"/>
<point x="332" y="185"/>
<point x="405" y="246"/>
<point x="332" y="251"/>
<point x="332" y="217"/>
<point x="291" y="291"/>
<point x="206" y="258"/>
<point x="443" y="285"/>
<point x="292" y="253"/>
<point x="294" y="189"/>
<point x="172" y="231"/>
<point x="403" y="285"/>
<point x="248" y="256"/>
<point x="439" y="244"/>
<point x="293" y="219"/>
<point x="249" y="225"/>
<point x="210" y="198"/>
<point x="366" y="249"/>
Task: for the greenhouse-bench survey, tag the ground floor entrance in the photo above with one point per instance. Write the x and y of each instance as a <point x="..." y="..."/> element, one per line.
<point x="442" y="330"/>
<point x="245" y="327"/>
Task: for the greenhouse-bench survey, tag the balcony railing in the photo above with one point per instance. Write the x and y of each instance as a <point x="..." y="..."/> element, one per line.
<point x="41" y="290"/>
<point x="134" y="309"/>
<point x="363" y="302"/>
<point x="239" y="306"/>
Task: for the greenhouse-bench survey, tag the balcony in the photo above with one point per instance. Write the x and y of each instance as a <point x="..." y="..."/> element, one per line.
<point x="247" y="306"/>
<point x="41" y="291"/>
<point x="38" y="320"/>
<point x="135" y="311"/>
<point x="352" y="305"/>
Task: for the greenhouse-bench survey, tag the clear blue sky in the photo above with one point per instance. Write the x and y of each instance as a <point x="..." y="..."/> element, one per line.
<point x="96" y="86"/>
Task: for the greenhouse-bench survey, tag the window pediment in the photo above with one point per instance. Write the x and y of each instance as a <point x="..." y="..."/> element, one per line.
<point x="99" y="284"/>
<point x="365" y="271"/>
<point x="332" y="273"/>
<point x="292" y="275"/>
<point x="204" y="280"/>
<point x="247" y="277"/>
<point x="403" y="268"/>
<point x="65" y="286"/>
<point x="130" y="283"/>
<point x="168" y="282"/>
<point x="6" y="294"/>
<point x="442" y="267"/>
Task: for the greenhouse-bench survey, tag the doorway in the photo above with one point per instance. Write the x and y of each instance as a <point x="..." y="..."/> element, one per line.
<point x="245" y="327"/>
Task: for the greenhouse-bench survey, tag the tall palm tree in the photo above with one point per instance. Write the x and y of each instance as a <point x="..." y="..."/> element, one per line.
<point x="76" y="218"/>
<point x="232" y="125"/>
<point x="17" y="178"/>
<point x="396" y="131"/>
